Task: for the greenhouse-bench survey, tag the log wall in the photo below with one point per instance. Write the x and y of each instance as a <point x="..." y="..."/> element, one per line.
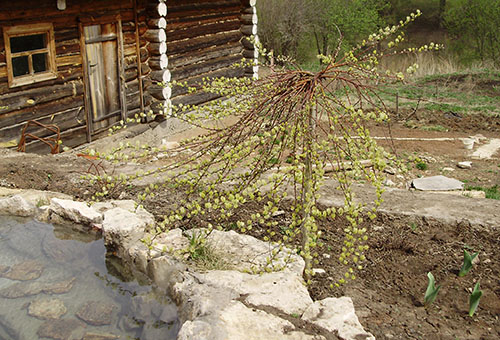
<point x="204" y="39"/>
<point x="61" y="101"/>
<point x="184" y="40"/>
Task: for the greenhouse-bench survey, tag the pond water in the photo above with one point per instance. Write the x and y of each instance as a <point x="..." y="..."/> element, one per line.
<point x="56" y="282"/>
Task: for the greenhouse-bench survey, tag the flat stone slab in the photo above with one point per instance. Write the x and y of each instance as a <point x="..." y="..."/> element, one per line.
<point x="99" y="336"/>
<point x="58" y="329"/>
<point x="47" y="308"/>
<point x="78" y="212"/>
<point x="488" y="150"/>
<point x="436" y="183"/>
<point x="96" y="313"/>
<point x="23" y="289"/>
<point x="337" y="314"/>
<point x="24" y="271"/>
<point x="17" y="206"/>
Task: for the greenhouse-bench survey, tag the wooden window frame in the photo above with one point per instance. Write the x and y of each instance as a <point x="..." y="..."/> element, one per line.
<point x="50" y="49"/>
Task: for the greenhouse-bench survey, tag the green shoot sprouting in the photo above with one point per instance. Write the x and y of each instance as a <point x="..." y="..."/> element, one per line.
<point x="467" y="265"/>
<point x="474" y="299"/>
<point x="432" y="290"/>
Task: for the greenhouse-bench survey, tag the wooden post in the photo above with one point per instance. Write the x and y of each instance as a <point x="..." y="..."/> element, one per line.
<point x="123" y="100"/>
<point x="86" y="90"/>
<point x="138" y="56"/>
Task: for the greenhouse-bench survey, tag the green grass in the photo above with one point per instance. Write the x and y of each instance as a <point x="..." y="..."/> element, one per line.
<point x="491" y="193"/>
<point x="436" y="127"/>
<point x="460" y="92"/>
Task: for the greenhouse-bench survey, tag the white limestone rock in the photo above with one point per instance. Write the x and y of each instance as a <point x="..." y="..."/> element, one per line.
<point x="436" y="183"/>
<point x="102" y="207"/>
<point x="171" y="242"/>
<point x="337" y="314"/>
<point x="47" y="308"/>
<point x="283" y="290"/>
<point x="246" y="253"/>
<point x="16" y="205"/>
<point x="465" y="165"/>
<point x="123" y="228"/>
<point x="78" y="212"/>
<point x="237" y="322"/>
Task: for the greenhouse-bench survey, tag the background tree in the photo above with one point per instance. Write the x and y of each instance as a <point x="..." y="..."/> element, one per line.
<point x="329" y="20"/>
<point x="474" y="25"/>
<point x="282" y="25"/>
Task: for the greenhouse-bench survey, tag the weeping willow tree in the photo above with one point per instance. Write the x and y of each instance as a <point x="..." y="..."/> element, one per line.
<point x="287" y="130"/>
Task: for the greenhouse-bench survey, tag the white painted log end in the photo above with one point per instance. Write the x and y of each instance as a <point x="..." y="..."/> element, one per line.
<point x="162" y="36"/>
<point x="167" y="92"/>
<point x="255" y="19"/>
<point x="162" y="9"/>
<point x="163" y="48"/>
<point x="167" y="76"/>
<point x="162" y="23"/>
<point x="163" y="61"/>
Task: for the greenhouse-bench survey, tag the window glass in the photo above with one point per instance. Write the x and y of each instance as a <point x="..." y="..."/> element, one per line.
<point x="20" y="66"/>
<point x="40" y="62"/>
<point x="27" y="43"/>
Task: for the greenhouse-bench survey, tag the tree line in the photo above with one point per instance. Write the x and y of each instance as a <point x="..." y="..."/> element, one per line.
<point x="304" y="28"/>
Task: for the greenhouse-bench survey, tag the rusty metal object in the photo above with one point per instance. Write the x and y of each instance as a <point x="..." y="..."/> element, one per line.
<point x="52" y="142"/>
<point x="95" y="164"/>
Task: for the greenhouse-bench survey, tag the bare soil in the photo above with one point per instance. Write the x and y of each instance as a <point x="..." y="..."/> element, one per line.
<point x="388" y="293"/>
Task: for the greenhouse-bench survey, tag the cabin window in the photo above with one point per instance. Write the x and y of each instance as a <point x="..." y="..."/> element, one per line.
<point x="30" y="52"/>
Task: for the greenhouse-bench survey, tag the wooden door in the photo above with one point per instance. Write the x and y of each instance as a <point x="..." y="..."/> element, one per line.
<point x="103" y="69"/>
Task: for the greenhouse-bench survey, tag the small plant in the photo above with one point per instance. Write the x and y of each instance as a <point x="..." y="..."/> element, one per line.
<point x="467" y="265"/>
<point x="421" y="166"/>
<point x="474" y="299"/>
<point x="41" y="202"/>
<point x="413" y="226"/>
<point x="432" y="290"/>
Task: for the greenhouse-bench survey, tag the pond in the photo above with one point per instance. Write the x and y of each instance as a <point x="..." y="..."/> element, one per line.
<point x="57" y="282"/>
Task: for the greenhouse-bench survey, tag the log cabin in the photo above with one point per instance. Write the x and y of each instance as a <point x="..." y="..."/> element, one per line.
<point x="84" y="65"/>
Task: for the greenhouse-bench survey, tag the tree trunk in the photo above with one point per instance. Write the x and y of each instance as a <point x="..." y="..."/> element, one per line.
<point x="308" y="195"/>
<point x="442" y="8"/>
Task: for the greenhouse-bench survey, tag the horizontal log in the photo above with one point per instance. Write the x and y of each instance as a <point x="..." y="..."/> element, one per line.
<point x="201" y="30"/>
<point x="43" y="110"/>
<point x="158" y="62"/>
<point x="249" y="19"/>
<point x="194" y="44"/>
<point x="247" y="3"/>
<point x="157" y="23"/>
<point x="32" y="97"/>
<point x="226" y="72"/>
<point x="157" y="35"/>
<point x="201" y="68"/>
<point x="157" y="48"/>
<point x="161" y="76"/>
<point x="195" y="99"/>
<point x="249" y="10"/>
<point x="251" y="54"/>
<point x="131" y="74"/>
<point x="64" y="120"/>
<point x="144" y="54"/>
<point x="249" y="30"/>
<point x="64" y="74"/>
<point x="194" y="57"/>
<point x="132" y="86"/>
<point x="160" y="93"/>
<point x="247" y="44"/>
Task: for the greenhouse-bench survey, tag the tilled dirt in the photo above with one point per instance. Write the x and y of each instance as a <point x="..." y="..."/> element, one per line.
<point x="388" y="293"/>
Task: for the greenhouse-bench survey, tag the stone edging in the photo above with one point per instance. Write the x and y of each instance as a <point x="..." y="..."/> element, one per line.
<point x="214" y="304"/>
